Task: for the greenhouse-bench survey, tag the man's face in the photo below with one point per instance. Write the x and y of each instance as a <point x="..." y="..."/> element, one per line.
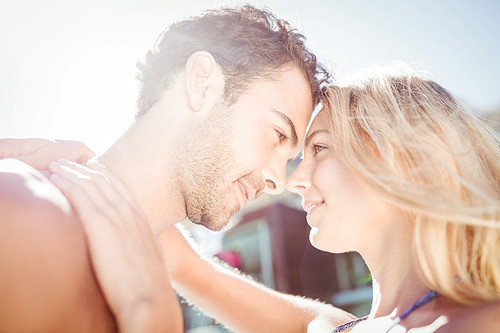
<point x="242" y="150"/>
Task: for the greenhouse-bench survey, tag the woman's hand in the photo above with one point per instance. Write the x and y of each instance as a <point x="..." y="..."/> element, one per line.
<point x="38" y="153"/>
<point x="124" y="251"/>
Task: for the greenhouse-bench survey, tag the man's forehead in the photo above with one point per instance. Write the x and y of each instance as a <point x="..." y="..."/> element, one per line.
<point x="314" y="115"/>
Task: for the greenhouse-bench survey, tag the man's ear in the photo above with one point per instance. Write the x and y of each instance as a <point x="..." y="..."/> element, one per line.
<point x="204" y="80"/>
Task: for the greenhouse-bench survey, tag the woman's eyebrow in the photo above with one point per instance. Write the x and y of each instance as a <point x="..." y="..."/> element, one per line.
<point x="312" y="135"/>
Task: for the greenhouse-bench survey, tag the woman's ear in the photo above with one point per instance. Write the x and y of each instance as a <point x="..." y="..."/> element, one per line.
<point x="204" y="80"/>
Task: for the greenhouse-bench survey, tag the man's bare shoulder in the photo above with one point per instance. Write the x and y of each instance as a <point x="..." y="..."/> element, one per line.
<point x="46" y="275"/>
<point x="23" y="186"/>
<point x="33" y="210"/>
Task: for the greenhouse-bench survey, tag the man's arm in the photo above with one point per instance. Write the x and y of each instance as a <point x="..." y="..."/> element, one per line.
<point x="236" y="301"/>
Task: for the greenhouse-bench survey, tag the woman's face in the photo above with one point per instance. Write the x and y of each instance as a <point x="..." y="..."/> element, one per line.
<point x="342" y="210"/>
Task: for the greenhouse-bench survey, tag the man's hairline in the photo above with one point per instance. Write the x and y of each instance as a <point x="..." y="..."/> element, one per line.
<point x="269" y="75"/>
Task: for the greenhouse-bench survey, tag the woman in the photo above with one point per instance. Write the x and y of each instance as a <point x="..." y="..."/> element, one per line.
<point x="395" y="169"/>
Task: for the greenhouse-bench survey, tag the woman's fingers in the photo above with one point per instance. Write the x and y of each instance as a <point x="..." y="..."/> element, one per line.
<point x="38" y="153"/>
<point x="101" y="231"/>
<point x="118" y="201"/>
<point x="74" y="151"/>
<point x="96" y="183"/>
<point x="82" y="187"/>
<point x="15" y="147"/>
<point x="122" y="190"/>
<point x="98" y="202"/>
<point x="112" y="246"/>
<point x="89" y="213"/>
<point x="114" y="232"/>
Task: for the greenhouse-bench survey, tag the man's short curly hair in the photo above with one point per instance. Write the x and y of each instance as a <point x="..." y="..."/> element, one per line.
<point x="248" y="43"/>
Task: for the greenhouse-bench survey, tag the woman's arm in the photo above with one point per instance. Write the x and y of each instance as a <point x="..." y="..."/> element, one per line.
<point x="236" y="301"/>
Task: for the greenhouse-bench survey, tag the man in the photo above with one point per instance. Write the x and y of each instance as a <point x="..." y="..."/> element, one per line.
<point x="224" y="103"/>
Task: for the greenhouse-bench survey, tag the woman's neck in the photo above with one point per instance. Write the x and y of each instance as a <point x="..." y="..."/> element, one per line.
<point x="394" y="293"/>
<point x="396" y="284"/>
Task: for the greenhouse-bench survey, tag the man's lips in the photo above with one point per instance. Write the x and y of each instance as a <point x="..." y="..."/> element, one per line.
<point x="250" y="187"/>
<point x="245" y="194"/>
<point x="249" y="193"/>
<point x="310" y="206"/>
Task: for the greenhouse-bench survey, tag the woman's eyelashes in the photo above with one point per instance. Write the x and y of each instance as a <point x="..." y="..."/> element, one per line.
<point x="317" y="148"/>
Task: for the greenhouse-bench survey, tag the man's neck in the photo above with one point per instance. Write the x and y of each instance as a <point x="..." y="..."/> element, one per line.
<point x="143" y="163"/>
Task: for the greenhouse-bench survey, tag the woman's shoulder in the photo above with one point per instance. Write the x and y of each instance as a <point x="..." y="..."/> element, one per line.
<point x="483" y="318"/>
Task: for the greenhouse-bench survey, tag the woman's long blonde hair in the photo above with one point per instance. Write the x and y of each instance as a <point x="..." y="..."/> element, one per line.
<point x="425" y="153"/>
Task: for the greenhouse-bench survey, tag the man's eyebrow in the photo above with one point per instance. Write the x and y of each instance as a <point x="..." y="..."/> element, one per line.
<point x="312" y="135"/>
<point x="290" y="124"/>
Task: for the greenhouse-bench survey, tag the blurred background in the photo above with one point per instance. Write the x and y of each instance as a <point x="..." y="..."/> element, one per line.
<point x="67" y="70"/>
<point x="68" y="66"/>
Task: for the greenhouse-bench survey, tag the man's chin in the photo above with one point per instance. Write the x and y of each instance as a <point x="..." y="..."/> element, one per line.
<point x="214" y="224"/>
<point x="215" y="221"/>
<point x="211" y="225"/>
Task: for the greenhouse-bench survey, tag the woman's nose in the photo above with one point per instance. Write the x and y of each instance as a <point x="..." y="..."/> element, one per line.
<point x="299" y="179"/>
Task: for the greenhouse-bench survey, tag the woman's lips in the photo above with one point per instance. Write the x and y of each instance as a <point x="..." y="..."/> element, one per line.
<point x="311" y="206"/>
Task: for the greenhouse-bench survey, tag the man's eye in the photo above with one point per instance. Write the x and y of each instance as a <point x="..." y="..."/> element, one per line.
<point x="282" y="137"/>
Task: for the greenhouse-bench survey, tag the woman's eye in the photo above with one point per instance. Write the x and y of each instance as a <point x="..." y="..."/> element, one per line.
<point x="317" y="148"/>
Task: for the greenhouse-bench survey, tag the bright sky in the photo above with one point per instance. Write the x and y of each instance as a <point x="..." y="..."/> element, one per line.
<point x="67" y="67"/>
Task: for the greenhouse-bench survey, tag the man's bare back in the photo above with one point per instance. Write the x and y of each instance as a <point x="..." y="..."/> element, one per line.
<point x="46" y="279"/>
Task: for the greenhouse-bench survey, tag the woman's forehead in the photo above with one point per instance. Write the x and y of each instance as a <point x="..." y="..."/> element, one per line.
<point x="320" y="121"/>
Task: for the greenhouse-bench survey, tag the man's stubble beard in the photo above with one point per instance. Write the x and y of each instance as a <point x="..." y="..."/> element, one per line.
<point x="209" y="162"/>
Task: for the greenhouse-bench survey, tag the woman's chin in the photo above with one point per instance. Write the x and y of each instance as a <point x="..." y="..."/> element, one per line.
<point x="324" y="244"/>
<point x="316" y="240"/>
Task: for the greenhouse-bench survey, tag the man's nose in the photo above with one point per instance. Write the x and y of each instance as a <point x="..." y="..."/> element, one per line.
<point x="275" y="179"/>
